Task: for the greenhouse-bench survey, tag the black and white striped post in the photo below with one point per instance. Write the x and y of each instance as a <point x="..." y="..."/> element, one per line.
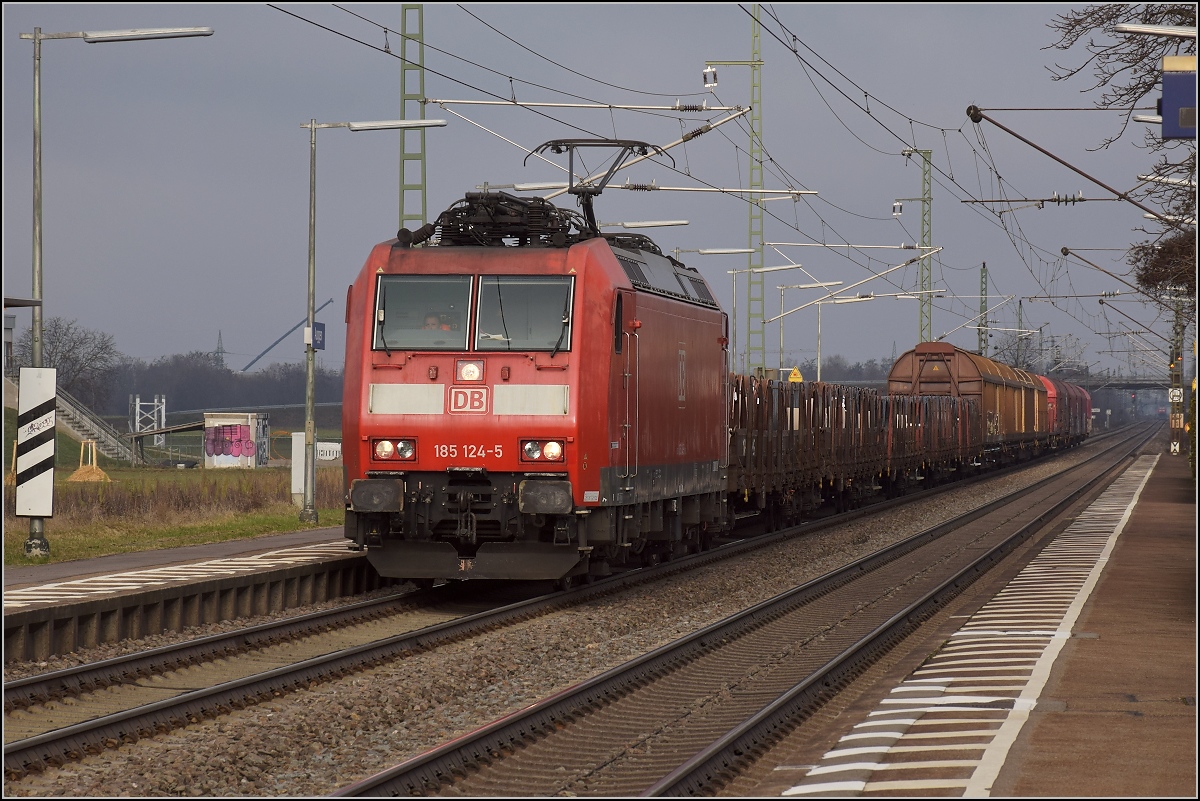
<point x="35" y="454"/>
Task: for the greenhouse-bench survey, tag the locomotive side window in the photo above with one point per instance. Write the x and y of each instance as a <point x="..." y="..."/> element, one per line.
<point x="618" y="324"/>
<point x="422" y="312"/>
<point x="524" y="312"/>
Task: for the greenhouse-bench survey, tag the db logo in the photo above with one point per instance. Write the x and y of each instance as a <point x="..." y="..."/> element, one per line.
<point x="468" y="400"/>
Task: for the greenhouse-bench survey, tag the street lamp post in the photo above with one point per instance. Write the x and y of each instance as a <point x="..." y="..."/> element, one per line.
<point x="37" y="544"/>
<point x="308" y="513"/>
<point x="734" y="274"/>
<point x="91" y="37"/>
<point x="821" y="303"/>
<point x="914" y="295"/>
<point x="817" y="285"/>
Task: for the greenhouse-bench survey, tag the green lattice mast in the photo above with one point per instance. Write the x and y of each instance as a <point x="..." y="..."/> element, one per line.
<point x="413" y="183"/>
<point x="756" y="294"/>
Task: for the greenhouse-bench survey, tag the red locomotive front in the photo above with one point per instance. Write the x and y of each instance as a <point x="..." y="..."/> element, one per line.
<point x="514" y="399"/>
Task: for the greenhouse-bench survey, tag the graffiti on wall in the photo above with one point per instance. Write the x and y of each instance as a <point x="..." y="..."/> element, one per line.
<point x="237" y="444"/>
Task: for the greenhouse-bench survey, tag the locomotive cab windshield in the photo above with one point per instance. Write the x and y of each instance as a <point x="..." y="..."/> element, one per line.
<point x="511" y="313"/>
<point x="403" y="316"/>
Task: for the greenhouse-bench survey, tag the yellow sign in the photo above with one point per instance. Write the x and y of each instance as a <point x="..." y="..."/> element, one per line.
<point x="794" y="377"/>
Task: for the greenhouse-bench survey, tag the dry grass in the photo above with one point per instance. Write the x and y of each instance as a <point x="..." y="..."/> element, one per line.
<point x="145" y="509"/>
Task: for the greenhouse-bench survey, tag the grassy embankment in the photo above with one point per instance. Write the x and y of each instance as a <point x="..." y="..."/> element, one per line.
<point x="147" y="508"/>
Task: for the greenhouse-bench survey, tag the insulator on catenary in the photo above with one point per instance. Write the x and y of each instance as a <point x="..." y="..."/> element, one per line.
<point x="703" y="129"/>
<point x="640" y="187"/>
<point x="690" y="107"/>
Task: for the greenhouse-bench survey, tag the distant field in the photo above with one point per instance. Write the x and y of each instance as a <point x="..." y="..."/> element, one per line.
<point x="147" y="508"/>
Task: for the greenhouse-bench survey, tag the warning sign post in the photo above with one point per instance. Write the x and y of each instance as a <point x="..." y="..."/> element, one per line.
<point x="36" y="401"/>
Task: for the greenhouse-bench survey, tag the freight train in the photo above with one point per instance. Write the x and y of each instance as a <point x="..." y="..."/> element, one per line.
<point x="529" y="398"/>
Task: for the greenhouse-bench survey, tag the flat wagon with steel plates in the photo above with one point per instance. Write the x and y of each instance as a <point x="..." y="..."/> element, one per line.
<point x="931" y="438"/>
<point x="795" y="446"/>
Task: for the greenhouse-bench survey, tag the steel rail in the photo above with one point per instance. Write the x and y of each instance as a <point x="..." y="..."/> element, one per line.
<point x="716" y="763"/>
<point x="427" y="772"/>
<point x="56" y="747"/>
<point x="74" y="681"/>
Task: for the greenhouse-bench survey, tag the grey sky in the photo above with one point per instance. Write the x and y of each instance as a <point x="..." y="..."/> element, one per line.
<point x="176" y="171"/>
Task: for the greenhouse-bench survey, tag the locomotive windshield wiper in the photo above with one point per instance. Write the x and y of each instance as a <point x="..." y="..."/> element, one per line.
<point x="382" y="327"/>
<point x="503" y="323"/>
<point x="566" y="320"/>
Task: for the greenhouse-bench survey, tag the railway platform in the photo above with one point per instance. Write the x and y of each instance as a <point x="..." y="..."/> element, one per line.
<point x="57" y="608"/>
<point x="1111" y="712"/>
<point x="30" y="576"/>
<point x="1118" y="716"/>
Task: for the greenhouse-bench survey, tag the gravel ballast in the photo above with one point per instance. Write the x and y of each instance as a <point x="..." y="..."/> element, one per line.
<point x="316" y="741"/>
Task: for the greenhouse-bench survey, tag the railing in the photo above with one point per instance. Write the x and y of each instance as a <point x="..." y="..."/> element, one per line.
<point x="88" y="425"/>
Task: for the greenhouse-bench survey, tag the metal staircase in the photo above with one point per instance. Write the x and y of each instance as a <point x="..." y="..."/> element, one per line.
<point x="87" y="425"/>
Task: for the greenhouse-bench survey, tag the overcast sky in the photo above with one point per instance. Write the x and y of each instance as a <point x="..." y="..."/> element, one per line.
<point x="176" y="172"/>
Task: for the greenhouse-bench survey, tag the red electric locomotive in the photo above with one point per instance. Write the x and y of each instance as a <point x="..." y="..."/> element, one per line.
<point x="527" y="398"/>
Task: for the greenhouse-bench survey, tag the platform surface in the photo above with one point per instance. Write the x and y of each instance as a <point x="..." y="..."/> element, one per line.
<point x="1078" y="679"/>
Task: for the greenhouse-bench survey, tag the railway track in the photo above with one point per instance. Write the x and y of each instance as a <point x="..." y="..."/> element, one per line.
<point x="683" y="719"/>
<point x="54" y="718"/>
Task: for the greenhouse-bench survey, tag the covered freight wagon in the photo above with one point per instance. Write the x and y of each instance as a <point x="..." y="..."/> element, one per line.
<point x="1012" y="402"/>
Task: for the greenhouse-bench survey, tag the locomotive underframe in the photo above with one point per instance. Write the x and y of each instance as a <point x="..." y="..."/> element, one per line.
<point x="465" y="524"/>
<point x="470" y="524"/>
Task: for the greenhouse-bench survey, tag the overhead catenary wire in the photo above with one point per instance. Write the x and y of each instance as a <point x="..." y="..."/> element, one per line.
<point x="575" y="72"/>
<point x="398" y="57"/>
<point x="789" y="224"/>
<point x="866" y="110"/>
<point x="435" y="72"/>
<point x="504" y="75"/>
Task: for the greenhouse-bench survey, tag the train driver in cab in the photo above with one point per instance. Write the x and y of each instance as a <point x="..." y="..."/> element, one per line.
<point x="433" y="322"/>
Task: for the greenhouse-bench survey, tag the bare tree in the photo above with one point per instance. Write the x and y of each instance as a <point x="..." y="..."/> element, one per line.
<point x="85" y="359"/>
<point x="1127" y="69"/>
<point x="1167" y="268"/>
<point x="1009" y="348"/>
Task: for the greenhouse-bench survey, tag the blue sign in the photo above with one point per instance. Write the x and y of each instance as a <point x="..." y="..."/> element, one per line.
<point x="318" y="336"/>
<point x="1179" y="105"/>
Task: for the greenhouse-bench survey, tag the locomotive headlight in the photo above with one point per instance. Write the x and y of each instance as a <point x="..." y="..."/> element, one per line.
<point x="533" y="450"/>
<point x="470" y="371"/>
<point x="386" y="449"/>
